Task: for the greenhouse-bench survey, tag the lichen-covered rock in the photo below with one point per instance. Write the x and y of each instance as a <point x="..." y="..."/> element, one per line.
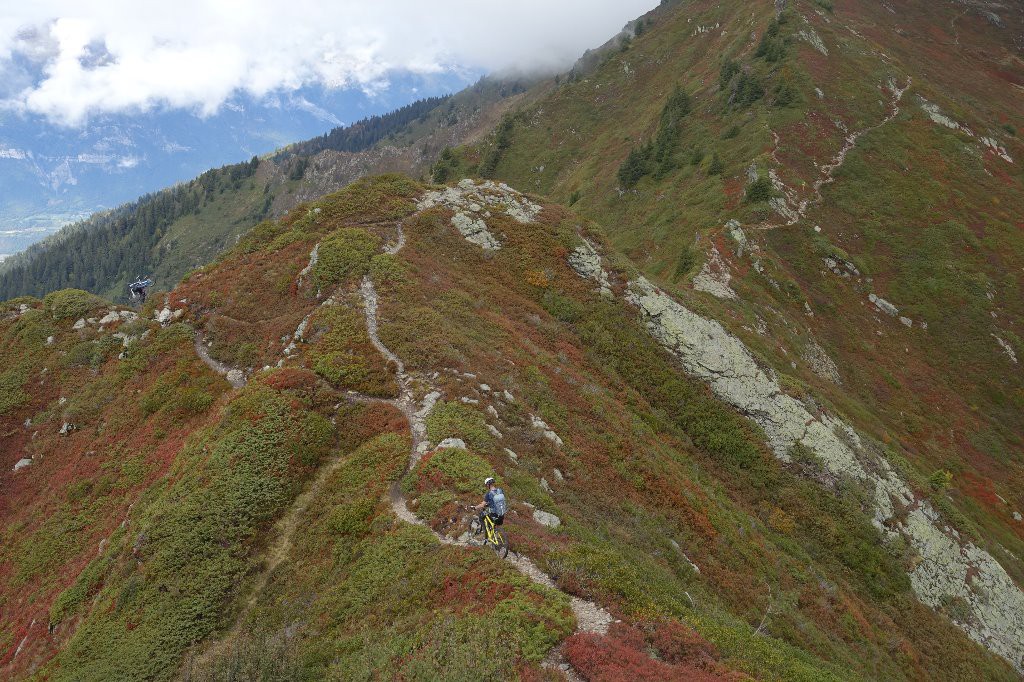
<point x="236" y="378"/>
<point x="475" y="231"/>
<point x="738" y="235"/>
<point x="22" y="463"/>
<point x="937" y="116"/>
<point x="110" y="318"/>
<point x="997" y="149"/>
<point x="452" y="444"/>
<point x="820" y="362"/>
<point x="948" y="567"/>
<point x="546" y="519"/>
<point x="545" y="430"/>
<point x="472" y="204"/>
<point x="586" y="261"/>
<point x="884" y="305"/>
<point x="1007" y="348"/>
<point x="714" y="276"/>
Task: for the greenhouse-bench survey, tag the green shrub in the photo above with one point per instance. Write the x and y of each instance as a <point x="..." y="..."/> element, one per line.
<point x="786" y="94"/>
<point x="634" y="167"/>
<point x="771" y="48"/>
<point x="344" y="256"/>
<point x="388" y="269"/>
<point x="455" y="420"/>
<point x="716" y="167"/>
<point x="760" y="190"/>
<point x="70" y="303"/>
<point x="940" y="480"/>
<point x="687" y="259"/>
<point x="12" y="392"/>
<point x="460" y="469"/>
<point x="729" y="70"/>
<point x="749" y="89"/>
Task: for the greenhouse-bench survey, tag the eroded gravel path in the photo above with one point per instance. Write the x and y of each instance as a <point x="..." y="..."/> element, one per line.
<point x="235" y="377"/>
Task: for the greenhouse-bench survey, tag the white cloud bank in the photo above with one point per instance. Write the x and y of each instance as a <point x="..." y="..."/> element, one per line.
<point x="68" y="59"/>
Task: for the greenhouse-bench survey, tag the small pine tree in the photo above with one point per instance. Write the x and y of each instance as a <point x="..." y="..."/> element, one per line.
<point x="760" y="190"/>
<point x="634" y="167"/>
<point x="729" y="70"/>
<point x="716" y="167"/>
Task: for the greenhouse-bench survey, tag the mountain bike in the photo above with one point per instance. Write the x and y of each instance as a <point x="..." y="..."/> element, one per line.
<point x="492" y="535"/>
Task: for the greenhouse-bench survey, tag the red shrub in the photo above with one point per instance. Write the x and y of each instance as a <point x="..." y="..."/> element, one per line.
<point x="604" y="659"/>
<point x="676" y="643"/>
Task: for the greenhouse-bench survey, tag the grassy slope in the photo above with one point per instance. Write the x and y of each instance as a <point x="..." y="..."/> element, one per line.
<point x="929" y="216"/>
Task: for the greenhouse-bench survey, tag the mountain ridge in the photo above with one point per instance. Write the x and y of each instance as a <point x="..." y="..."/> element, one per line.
<point x="742" y="385"/>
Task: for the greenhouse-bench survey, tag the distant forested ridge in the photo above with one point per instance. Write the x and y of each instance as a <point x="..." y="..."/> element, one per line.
<point x="117" y="245"/>
<point x="103" y="252"/>
<point x="367" y="132"/>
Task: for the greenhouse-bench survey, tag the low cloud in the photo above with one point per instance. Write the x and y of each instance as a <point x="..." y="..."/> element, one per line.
<point x="67" y="60"/>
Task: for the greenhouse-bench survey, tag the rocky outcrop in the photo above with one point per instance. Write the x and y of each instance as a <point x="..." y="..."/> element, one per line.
<point x="937" y="116"/>
<point x="539" y="424"/>
<point x="473" y="203"/>
<point x="884" y="305"/>
<point x="586" y="261"/>
<point x="714" y="276"/>
<point x="948" y="567"/>
<point x="1007" y="348"/>
<point x="820" y="362"/>
<point x="546" y="519"/>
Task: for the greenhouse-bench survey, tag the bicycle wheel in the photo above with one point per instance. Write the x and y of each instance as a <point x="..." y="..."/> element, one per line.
<point x="501" y="544"/>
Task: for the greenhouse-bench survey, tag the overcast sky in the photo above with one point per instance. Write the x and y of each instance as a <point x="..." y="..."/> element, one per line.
<point x="68" y="59"/>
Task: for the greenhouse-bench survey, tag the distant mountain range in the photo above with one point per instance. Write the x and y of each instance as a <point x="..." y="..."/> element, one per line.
<point x="52" y="175"/>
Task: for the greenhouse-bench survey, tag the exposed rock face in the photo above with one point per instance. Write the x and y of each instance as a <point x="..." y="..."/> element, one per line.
<point x="22" y="463"/>
<point x="935" y="114"/>
<point x="884" y="305"/>
<point x="586" y="261"/>
<point x="546" y="519"/>
<point x="811" y="36"/>
<point x="949" y="568"/>
<point x="820" y="363"/>
<point x="997" y="149"/>
<point x="1007" y="348"/>
<point x="714" y="276"/>
<point x="738" y="235"/>
<point x="843" y="268"/>
<point x="452" y="444"/>
<point x="472" y="204"/>
<point x="545" y="430"/>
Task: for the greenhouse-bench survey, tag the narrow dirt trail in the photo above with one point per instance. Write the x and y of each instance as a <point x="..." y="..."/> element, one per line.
<point x="235" y="377"/>
<point x="590" y="617"/>
<point x="277" y="551"/>
<point x="793" y="208"/>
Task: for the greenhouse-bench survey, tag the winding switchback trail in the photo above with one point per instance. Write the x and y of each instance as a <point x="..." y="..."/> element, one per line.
<point x="590" y="617"/>
<point x="794" y="209"/>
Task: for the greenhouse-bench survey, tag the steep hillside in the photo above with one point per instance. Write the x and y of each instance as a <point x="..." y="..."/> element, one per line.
<point x="171" y="232"/>
<point x="858" y="171"/>
<point x="167" y="525"/>
<point x="841" y="187"/>
<point x="753" y="386"/>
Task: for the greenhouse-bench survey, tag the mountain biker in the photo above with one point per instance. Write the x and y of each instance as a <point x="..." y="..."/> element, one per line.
<point x="138" y="288"/>
<point x="494" y="504"/>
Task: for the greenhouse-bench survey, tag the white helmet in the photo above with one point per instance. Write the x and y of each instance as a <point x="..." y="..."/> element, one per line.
<point x="489" y="480"/>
